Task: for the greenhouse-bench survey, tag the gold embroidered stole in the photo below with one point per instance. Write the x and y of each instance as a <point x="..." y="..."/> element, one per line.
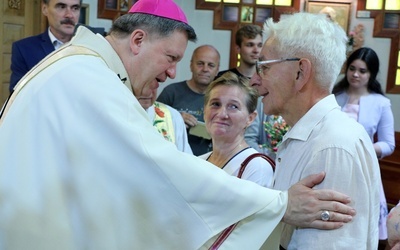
<point x="163" y="121"/>
<point x="63" y="52"/>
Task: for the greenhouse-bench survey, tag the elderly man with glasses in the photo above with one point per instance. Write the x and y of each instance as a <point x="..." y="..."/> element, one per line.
<point x="299" y="63"/>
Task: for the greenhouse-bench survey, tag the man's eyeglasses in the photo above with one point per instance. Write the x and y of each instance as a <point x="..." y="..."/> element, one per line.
<point x="259" y="64"/>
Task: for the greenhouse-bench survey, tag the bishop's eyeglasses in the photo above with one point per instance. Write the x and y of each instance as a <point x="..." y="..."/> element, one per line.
<point x="261" y="65"/>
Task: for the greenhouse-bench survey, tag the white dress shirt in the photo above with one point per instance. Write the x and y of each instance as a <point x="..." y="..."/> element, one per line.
<point x="326" y="139"/>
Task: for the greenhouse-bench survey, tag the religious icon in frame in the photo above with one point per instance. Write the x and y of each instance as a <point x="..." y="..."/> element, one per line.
<point x="340" y="11"/>
<point x="247" y="14"/>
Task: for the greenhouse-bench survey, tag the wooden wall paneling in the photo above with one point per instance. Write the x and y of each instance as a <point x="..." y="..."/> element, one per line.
<point x="394" y="35"/>
<point x="18" y="19"/>
<point x="233" y="26"/>
<point x="390" y="172"/>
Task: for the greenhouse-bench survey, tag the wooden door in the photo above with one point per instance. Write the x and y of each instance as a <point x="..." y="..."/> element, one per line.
<point x="18" y="19"/>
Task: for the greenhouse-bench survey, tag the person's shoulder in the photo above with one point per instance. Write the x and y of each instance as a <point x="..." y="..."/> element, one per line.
<point x="340" y="94"/>
<point x="224" y="71"/>
<point x="341" y="130"/>
<point x="379" y="98"/>
<point x="257" y="164"/>
<point x="375" y="101"/>
<point x="329" y="120"/>
<point x="343" y="117"/>
<point x="257" y="159"/>
<point x="178" y="83"/>
<point x="341" y="98"/>
<point x="30" y="39"/>
<point x="175" y="85"/>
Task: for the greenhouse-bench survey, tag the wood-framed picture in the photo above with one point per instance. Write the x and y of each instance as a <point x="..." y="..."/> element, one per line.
<point x="263" y="14"/>
<point x="112" y="9"/>
<point x="123" y="5"/>
<point x="230" y="13"/>
<point x="247" y="14"/>
<point x="339" y="12"/>
<point x="112" y="4"/>
<point x="391" y="21"/>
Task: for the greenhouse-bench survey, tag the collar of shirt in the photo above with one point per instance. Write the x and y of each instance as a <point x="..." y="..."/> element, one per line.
<point x="303" y="128"/>
<point x="56" y="43"/>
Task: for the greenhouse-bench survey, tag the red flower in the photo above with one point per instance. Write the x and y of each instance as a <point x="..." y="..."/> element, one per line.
<point x="159" y="112"/>
<point x="276" y="128"/>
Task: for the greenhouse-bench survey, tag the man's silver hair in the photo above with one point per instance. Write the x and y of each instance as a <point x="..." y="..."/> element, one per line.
<point x="311" y="36"/>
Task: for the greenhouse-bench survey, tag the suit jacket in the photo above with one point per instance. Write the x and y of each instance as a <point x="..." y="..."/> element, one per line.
<point x="26" y="53"/>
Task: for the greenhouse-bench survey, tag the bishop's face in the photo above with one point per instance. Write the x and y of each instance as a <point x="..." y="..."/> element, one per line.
<point x="226" y="114"/>
<point x="155" y="61"/>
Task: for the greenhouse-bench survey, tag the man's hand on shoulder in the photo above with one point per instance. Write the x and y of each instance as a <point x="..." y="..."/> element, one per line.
<point x="306" y="205"/>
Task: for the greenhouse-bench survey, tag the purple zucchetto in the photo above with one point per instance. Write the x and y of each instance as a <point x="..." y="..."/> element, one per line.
<point x="161" y="8"/>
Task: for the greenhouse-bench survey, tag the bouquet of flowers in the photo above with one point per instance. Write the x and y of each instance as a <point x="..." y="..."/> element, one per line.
<point x="276" y="128"/>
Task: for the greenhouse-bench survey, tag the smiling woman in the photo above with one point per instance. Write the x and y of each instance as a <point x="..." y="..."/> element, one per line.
<point x="229" y="108"/>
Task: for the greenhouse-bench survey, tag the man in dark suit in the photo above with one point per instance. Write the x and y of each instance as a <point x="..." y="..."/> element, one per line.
<point x="62" y="15"/>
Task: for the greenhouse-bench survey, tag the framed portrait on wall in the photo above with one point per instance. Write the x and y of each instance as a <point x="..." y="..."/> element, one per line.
<point x="338" y="12"/>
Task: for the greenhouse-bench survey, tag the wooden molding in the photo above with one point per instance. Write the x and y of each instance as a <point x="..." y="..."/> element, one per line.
<point x="112" y="13"/>
<point x="233" y="26"/>
<point x="394" y="35"/>
<point x="390" y="173"/>
<point x="203" y="5"/>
